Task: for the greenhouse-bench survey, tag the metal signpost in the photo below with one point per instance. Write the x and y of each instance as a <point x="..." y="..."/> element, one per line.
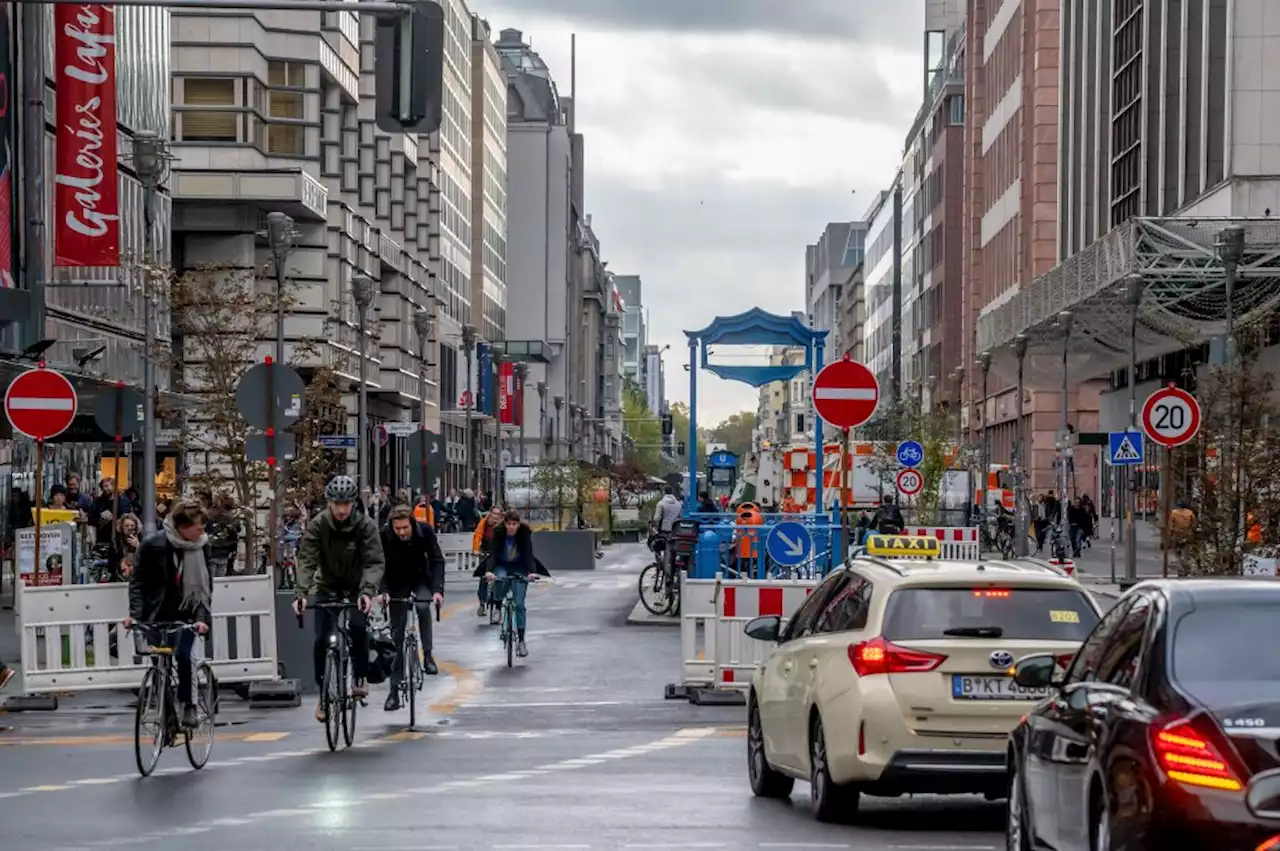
<point x="116" y="412"/>
<point x="789" y="544"/>
<point x="845" y="394"/>
<point x="1124" y="449"/>
<point x="41" y="404"/>
<point x="1170" y="417"/>
<point x="426" y="460"/>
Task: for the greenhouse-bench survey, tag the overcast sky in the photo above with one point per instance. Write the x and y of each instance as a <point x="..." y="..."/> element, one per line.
<point x="721" y="136"/>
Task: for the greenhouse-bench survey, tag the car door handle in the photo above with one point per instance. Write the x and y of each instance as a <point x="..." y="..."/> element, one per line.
<point x="786" y="667"/>
<point x="813" y="664"/>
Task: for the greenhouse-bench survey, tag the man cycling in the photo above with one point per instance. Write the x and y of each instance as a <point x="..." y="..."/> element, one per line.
<point x="340" y="557"/>
<point x="511" y="554"/>
<point x="415" y="565"/>
<point x="888" y="519"/>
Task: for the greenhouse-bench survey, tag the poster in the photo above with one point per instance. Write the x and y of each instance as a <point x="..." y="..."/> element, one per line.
<point x="54" y="554"/>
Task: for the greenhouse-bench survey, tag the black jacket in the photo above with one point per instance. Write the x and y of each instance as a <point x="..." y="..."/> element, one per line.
<point x="524" y="547"/>
<point x="889" y="517"/>
<point x="155" y="589"/>
<point x="417" y="561"/>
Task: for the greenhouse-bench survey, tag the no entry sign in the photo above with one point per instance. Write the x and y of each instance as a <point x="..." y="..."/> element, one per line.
<point x="845" y="393"/>
<point x="1171" y="416"/>
<point x="40" y="403"/>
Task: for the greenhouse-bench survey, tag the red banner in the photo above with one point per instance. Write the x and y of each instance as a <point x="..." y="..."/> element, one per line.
<point x="87" y="203"/>
<point x="506" y="393"/>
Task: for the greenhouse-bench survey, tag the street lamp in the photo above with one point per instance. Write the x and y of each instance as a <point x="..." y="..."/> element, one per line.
<point x="1019" y="453"/>
<point x="469" y="347"/>
<point x="362" y="295"/>
<point x="422" y="323"/>
<point x="1230" y="246"/>
<point x="1065" y="318"/>
<point x="498" y="351"/>
<point x="522" y="372"/>
<point x="281" y="236"/>
<point x="151" y="164"/>
<point x="558" y="401"/>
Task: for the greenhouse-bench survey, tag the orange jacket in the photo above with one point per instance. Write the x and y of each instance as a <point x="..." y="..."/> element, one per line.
<point x="424" y="513"/>
<point x="477" y="539"/>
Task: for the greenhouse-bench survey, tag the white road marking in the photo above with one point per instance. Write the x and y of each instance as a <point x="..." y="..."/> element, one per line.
<point x="803" y="845"/>
<point x="544" y="705"/>
<point x="96" y="781"/>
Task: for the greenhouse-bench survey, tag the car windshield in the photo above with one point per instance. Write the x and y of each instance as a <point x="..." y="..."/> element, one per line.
<point x="1049" y="614"/>
<point x="1212" y="655"/>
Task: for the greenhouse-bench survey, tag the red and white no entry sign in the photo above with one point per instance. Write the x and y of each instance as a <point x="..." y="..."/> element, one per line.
<point x="845" y="393"/>
<point x="910" y="482"/>
<point x="1171" y="416"/>
<point x="40" y="403"/>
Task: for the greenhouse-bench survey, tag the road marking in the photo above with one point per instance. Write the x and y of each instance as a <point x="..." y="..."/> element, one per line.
<point x="943" y="847"/>
<point x="548" y="704"/>
<point x="78" y="741"/>
<point x="266" y="737"/>
<point x="803" y="845"/>
<point x="47" y="788"/>
<point x="465" y="688"/>
<point x="405" y="736"/>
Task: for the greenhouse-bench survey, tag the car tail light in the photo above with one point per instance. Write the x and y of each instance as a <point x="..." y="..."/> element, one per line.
<point x="1064" y="661"/>
<point x="878" y="656"/>
<point x="1272" y="844"/>
<point x="1192" y="759"/>
<point x="992" y="593"/>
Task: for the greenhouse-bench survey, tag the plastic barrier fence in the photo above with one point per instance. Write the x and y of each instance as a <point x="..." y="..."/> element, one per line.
<point x="737" y="655"/>
<point x="959" y="543"/>
<point x="697" y="632"/>
<point x="73" y="638"/>
<point x="459" y="561"/>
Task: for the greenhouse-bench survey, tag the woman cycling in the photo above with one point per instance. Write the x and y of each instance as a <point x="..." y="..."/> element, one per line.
<point x="511" y="554"/>
<point x="480" y="543"/>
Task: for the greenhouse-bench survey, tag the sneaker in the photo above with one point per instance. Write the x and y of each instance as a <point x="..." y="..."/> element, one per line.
<point x="495" y="616"/>
<point x="429" y="667"/>
<point x="521" y="649"/>
<point x="393" y="700"/>
<point x="483" y="610"/>
<point x="6" y="674"/>
<point x="321" y="715"/>
<point x="189" y="719"/>
<point x="359" y="691"/>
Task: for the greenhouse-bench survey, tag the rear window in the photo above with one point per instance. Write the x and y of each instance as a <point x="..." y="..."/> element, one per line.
<point x="1050" y="614"/>
<point x="1216" y="645"/>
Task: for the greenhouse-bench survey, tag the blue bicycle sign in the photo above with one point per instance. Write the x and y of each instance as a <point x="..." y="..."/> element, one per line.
<point x="910" y="453"/>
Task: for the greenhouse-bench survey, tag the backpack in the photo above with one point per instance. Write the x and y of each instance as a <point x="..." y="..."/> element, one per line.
<point x="1182" y="522"/>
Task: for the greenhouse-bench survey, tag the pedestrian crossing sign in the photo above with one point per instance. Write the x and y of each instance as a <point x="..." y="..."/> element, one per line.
<point x="1126" y="448"/>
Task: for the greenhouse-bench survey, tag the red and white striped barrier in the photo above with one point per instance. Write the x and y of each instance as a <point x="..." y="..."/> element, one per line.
<point x="958" y="543"/>
<point x="740" y="601"/>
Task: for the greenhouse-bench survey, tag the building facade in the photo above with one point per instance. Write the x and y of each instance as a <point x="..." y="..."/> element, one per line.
<point x="634" y="331"/>
<point x="882" y="288"/>
<point x="829" y="263"/>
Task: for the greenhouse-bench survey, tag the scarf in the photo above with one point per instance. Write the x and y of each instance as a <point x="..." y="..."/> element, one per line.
<point x="195" y="573"/>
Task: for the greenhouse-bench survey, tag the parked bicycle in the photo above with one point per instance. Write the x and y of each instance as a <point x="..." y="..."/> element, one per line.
<point x="337" y="684"/>
<point x="156" y="718"/>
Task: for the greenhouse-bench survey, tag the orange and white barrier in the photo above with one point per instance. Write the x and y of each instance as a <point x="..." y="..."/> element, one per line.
<point x="741" y="601"/>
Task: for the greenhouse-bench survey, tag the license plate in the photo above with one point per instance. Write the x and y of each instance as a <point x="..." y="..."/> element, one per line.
<point x="966" y="687"/>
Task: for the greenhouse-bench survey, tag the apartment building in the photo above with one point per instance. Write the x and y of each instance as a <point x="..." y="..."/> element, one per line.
<point x="828" y="264"/>
<point x="635" y="334"/>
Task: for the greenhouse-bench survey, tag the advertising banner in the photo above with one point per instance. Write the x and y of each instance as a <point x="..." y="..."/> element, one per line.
<point x="507" y="393"/>
<point x="87" y="202"/>
<point x="8" y="146"/>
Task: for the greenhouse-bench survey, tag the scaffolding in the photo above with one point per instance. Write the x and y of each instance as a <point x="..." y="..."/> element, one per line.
<point x="1183" y="302"/>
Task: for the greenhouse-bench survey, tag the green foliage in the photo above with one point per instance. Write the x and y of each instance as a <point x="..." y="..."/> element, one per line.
<point x="736" y="433"/>
<point x="680" y="421"/>
<point x="643" y="428"/>
<point x="936" y="432"/>
<point x="567" y="489"/>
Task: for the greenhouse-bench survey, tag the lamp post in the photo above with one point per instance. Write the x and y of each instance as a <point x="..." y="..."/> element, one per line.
<point x="1230" y="246"/>
<point x="362" y="295"/>
<point x="959" y="374"/>
<point x="1134" y="287"/>
<point x="542" y="418"/>
<point x="499" y="352"/>
<point x="469" y="347"/>
<point x="522" y="372"/>
<point x="151" y="163"/>
<point x="558" y="401"/>
<point x="422" y="324"/>
<point x="984" y="364"/>
<point x="280" y="237"/>
<point x="1019" y="454"/>
<point x="1065" y="318"/>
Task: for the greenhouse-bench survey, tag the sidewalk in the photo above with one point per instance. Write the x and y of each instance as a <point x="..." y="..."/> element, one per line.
<point x="1094" y="564"/>
<point x="10" y="653"/>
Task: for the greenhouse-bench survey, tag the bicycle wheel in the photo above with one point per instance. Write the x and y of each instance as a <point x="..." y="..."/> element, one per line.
<point x="330" y="699"/>
<point x="412" y="676"/>
<point x="653" y="595"/>
<point x="509" y="630"/>
<point x="673" y="595"/>
<point x="349" y="704"/>
<point x="149" y="722"/>
<point x="200" y="740"/>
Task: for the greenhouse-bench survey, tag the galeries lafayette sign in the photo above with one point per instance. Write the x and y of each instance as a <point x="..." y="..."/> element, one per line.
<point x="87" y="203"/>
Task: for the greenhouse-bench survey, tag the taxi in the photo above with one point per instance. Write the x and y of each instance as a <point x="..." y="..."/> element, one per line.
<point x="896" y="674"/>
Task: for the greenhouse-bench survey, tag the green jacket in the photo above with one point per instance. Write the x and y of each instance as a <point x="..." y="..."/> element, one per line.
<point x="340" y="559"/>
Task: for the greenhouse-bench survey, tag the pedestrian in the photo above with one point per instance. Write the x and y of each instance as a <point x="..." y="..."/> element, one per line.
<point x="124" y="548"/>
<point x="223" y="529"/>
<point x="76" y="497"/>
<point x="106" y="506"/>
<point x="481" y="543"/>
<point x="1182" y="527"/>
<point x="467" y="510"/>
<point x="414" y="565"/>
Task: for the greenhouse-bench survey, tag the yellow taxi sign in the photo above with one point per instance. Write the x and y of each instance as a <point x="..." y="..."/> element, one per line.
<point x="903" y="546"/>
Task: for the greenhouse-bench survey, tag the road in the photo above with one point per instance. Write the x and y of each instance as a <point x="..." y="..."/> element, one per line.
<point x="574" y="748"/>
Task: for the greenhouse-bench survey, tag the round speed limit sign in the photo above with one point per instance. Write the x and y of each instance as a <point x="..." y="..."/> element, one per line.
<point x="1171" y="416"/>
<point x="910" y="482"/>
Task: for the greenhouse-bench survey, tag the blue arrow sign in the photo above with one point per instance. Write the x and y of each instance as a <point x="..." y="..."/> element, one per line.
<point x="338" y="441"/>
<point x="910" y="453"/>
<point x="1126" y="448"/>
<point x="789" y="544"/>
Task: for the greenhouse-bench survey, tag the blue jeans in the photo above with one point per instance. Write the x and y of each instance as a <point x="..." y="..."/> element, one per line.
<point x="518" y="590"/>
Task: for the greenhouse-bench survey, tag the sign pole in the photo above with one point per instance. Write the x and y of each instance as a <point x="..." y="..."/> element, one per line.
<point x="273" y="476"/>
<point x="115" y="463"/>
<point x="843" y="502"/>
<point x="35" y="566"/>
<point x="1166" y="500"/>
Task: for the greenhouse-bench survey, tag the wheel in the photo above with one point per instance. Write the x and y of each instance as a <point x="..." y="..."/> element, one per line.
<point x="200" y="740"/>
<point x="331" y="700"/>
<point x="412" y="677"/>
<point x="653" y="594"/>
<point x="1100" y="840"/>
<point x="509" y="634"/>
<point x="831" y="802"/>
<point x="765" y="782"/>
<point x="349" y="704"/>
<point x="673" y="595"/>
<point x="149" y="722"/>
<point x="1017" y="836"/>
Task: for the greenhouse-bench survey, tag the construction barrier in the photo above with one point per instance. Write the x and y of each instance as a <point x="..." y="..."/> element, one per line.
<point x="697" y="635"/>
<point x="459" y="561"/>
<point x="740" y="601"/>
<point x="958" y="543"/>
<point x="73" y="637"/>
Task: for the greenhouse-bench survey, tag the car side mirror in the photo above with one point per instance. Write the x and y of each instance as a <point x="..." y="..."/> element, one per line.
<point x="1035" y="671"/>
<point x="767" y="628"/>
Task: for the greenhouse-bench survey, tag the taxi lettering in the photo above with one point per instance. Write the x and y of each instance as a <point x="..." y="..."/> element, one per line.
<point x="903" y="545"/>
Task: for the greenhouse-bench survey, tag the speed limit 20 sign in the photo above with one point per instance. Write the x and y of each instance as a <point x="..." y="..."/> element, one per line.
<point x="1171" y="416"/>
<point x="910" y="482"/>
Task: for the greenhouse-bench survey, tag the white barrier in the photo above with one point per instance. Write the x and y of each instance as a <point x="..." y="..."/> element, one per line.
<point x="742" y="600"/>
<point x="73" y="638"/>
<point x="958" y="543"/>
<point x="459" y="564"/>
<point x="697" y="631"/>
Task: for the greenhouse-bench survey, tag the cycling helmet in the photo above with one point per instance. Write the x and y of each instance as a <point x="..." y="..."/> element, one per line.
<point x="341" y="489"/>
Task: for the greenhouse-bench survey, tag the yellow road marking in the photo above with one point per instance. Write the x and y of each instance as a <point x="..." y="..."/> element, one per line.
<point x="404" y="736"/>
<point x="265" y="737"/>
<point x="124" y="740"/>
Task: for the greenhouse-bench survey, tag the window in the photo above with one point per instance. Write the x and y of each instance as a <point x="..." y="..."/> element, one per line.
<point x="802" y="622"/>
<point x="1219" y="651"/>
<point x="848" y="611"/>
<point x="286" y="74"/>
<point x="1087" y="660"/>
<point x="286" y="139"/>
<point x="1119" y="665"/>
<point x="204" y="123"/>
<point x="918" y="614"/>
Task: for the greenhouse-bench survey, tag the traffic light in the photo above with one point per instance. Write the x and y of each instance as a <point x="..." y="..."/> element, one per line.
<point x="409" y="69"/>
<point x="668" y="426"/>
<point x="680" y="449"/>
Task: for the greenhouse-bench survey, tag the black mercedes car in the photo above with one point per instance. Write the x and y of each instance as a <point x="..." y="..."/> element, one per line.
<point x="1163" y="734"/>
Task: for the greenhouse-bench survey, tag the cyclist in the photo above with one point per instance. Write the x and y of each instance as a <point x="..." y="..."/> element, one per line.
<point x="667" y="511"/>
<point x="340" y="557"/>
<point x="511" y="554"/>
<point x="888" y="519"/>
<point x="172" y="582"/>
<point x="415" y="565"/>
<point x="480" y="543"/>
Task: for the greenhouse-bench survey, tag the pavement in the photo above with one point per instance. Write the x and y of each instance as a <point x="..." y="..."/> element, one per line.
<point x="1094" y="565"/>
<point x="573" y="748"/>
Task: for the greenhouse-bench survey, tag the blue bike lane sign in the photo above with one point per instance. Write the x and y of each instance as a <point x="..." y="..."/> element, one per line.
<point x="910" y="453"/>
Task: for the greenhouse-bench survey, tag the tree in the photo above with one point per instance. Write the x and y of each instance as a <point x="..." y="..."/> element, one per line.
<point x="680" y="420"/>
<point x="935" y="430"/>
<point x="630" y="481"/>
<point x="314" y="464"/>
<point x="644" y="430"/>
<point x="736" y="433"/>
<point x="564" y="487"/>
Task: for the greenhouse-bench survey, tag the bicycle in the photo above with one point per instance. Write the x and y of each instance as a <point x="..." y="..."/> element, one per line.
<point x="508" y="621"/>
<point x="157" y="696"/>
<point x="659" y="577"/>
<point x="412" y="656"/>
<point x="337" y="684"/>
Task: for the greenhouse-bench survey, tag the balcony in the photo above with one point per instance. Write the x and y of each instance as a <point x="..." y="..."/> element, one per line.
<point x="294" y="192"/>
